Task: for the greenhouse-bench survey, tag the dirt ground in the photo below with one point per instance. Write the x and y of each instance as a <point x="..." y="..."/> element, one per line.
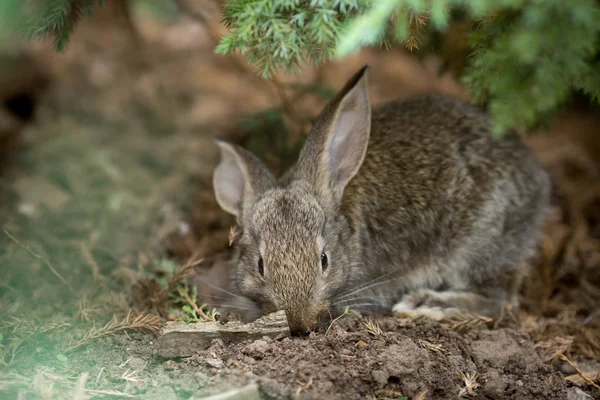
<point x="106" y="195"/>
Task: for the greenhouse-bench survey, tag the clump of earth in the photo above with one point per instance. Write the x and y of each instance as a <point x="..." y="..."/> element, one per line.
<point x="384" y="358"/>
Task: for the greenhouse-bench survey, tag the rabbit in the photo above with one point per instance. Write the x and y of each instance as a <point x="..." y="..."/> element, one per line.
<point x="411" y="208"/>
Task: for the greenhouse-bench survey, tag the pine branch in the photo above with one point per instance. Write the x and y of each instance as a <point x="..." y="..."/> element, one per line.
<point x="527" y="56"/>
<point x="58" y="18"/>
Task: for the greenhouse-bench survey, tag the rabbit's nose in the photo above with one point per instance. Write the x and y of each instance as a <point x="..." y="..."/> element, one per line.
<point x="296" y="323"/>
<point x="299" y="331"/>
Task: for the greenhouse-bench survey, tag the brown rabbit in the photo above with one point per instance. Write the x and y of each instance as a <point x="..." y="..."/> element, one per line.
<point x="413" y="207"/>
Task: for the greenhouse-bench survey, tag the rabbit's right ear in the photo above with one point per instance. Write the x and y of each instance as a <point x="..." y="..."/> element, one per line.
<point x="239" y="179"/>
<point x="336" y="147"/>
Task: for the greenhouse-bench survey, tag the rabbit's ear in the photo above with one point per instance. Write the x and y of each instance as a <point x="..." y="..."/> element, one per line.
<point x="239" y="178"/>
<point x="336" y="148"/>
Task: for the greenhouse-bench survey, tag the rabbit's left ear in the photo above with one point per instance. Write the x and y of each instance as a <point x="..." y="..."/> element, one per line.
<point x="336" y="147"/>
<point x="239" y="179"/>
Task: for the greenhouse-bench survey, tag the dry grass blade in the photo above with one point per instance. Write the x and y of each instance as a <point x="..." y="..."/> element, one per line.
<point x="550" y="348"/>
<point x="470" y="381"/>
<point x="576" y="368"/>
<point x="86" y="310"/>
<point x="80" y="387"/>
<point x="46" y="262"/>
<point x="143" y="322"/>
<point x="130" y="376"/>
<point x="421" y="395"/>
<point x="115" y="393"/>
<point x="435" y="347"/>
<point x="465" y="322"/>
<point x="47" y="384"/>
<point x="578" y="379"/>
<point x="234" y="233"/>
<point x="373" y="328"/>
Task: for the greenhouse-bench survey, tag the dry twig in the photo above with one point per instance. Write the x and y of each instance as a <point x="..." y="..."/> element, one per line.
<point x="194" y="305"/>
<point x="46" y="262"/>
<point x="182" y="272"/>
<point x="144" y="322"/>
<point x="576" y="368"/>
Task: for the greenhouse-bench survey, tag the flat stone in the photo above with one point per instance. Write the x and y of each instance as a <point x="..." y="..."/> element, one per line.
<point x="574" y="393"/>
<point x="178" y="339"/>
<point x="248" y="392"/>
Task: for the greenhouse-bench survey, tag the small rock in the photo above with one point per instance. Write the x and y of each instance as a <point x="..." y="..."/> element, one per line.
<point x="171" y="365"/>
<point x="381" y="377"/>
<point x="248" y="392"/>
<point x="249" y="360"/>
<point x="215" y="362"/>
<point x="574" y="393"/>
<point x="257" y="349"/>
<point x="178" y="339"/>
<point x="520" y="383"/>
<point x="326" y="385"/>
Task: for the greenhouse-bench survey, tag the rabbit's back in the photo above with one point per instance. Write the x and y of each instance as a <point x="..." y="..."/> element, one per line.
<point x="436" y="188"/>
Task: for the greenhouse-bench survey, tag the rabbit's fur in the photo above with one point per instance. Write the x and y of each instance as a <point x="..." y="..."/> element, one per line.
<point x="417" y="208"/>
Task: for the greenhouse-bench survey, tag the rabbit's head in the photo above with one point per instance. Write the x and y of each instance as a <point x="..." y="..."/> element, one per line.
<point x="292" y="254"/>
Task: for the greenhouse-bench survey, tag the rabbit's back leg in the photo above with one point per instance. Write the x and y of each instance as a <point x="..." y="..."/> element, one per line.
<point x="438" y="305"/>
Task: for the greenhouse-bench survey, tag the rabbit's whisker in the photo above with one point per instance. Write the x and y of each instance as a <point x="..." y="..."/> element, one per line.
<point x="368" y="285"/>
<point x="218" y="288"/>
<point x="237" y="307"/>
<point x="375" y="297"/>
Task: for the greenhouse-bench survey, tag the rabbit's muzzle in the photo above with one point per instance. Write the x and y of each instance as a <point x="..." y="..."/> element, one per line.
<point x="302" y="321"/>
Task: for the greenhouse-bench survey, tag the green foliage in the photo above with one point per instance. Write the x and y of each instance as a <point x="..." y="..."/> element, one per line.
<point x="526" y="56"/>
<point x="10" y="16"/>
<point x="188" y="297"/>
<point x="527" y="61"/>
<point x="342" y="315"/>
<point x="163" y="271"/>
<point x="276" y="34"/>
<point x="55" y="18"/>
<point x="268" y="137"/>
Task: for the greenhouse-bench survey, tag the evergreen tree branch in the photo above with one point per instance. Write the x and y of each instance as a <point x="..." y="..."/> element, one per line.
<point x="58" y="18"/>
<point x="527" y="56"/>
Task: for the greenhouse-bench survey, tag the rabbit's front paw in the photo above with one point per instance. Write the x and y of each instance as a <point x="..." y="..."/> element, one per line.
<point x="424" y="303"/>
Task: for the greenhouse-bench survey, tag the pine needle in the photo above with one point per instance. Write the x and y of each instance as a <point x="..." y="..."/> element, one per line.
<point x="576" y="368"/>
<point x="143" y="322"/>
<point x="465" y="322"/>
<point x="417" y="21"/>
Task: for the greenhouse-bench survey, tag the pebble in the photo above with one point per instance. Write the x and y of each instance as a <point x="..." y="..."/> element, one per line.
<point x="215" y="362"/>
<point x="257" y="349"/>
<point x="381" y="377"/>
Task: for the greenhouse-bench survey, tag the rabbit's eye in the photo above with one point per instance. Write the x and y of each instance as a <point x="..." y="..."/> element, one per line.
<point x="261" y="267"/>
<point x="324" y="261"/>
